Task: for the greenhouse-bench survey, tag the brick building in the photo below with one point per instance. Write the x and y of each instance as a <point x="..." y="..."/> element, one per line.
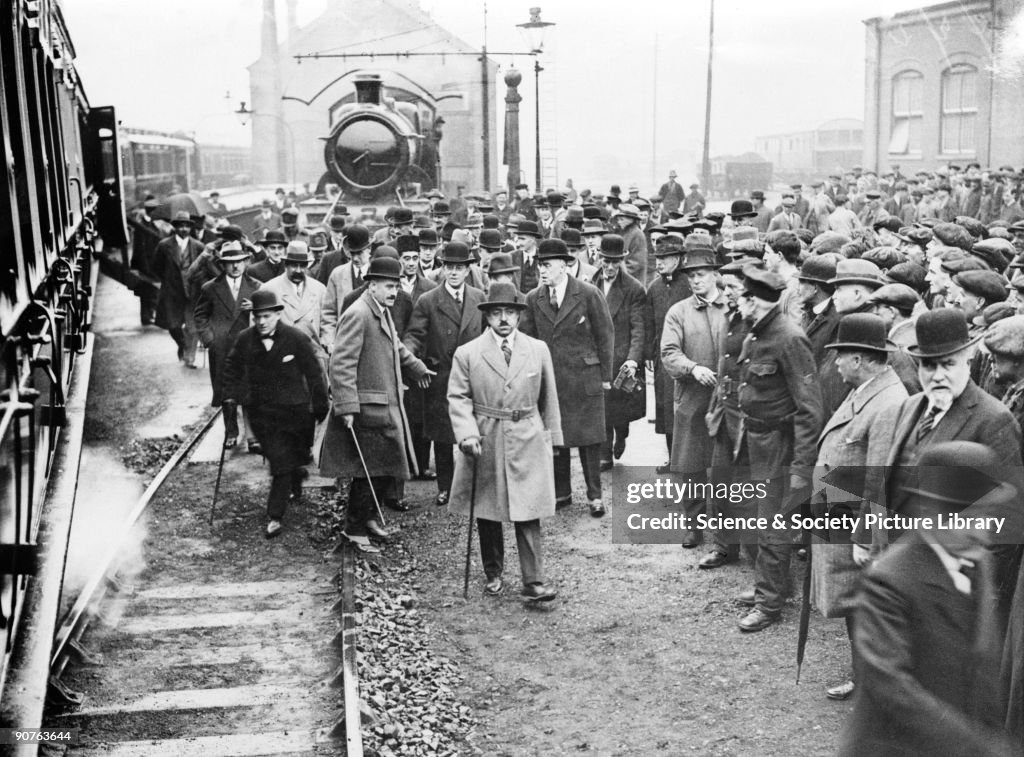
<point x="935" y="89"/>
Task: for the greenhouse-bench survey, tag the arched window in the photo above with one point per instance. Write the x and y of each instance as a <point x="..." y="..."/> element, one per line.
<point x="907" y="113"/>
<point x="959" y="108"/>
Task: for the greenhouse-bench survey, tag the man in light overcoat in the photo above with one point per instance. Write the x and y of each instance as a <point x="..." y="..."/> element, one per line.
<point x="504" y="411"/>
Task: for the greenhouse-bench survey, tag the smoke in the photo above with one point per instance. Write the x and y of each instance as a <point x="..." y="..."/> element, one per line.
<point x="1008" y="60"/>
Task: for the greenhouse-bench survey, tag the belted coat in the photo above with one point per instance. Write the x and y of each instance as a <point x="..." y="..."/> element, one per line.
<point x="581" y="338"/>
<point x="515" y="478"/>
<point x="436" y="329"/>
<point x="625" y="298"/>
<point x="366" y="372"/>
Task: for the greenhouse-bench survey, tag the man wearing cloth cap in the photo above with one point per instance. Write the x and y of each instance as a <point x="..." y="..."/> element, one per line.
<point x="221" y="313"/>
<point x="691" y="343"/>
<point x="443" y="319"/>
<point x="927" y="641"/>
<point x="782" y="419"/>
<point x="499" y="380"/>
<point x="668" y="287"/>
<point x="895" y="304"/>
<point x="625" y="297"/>
<point x="273" y="371"/>
<point x="694" y="203"/>
<point x="1004" y="340"/>
<point x="856" y="437"/>
<point x="175" y="303"/>
<point x="763" y="214"/>
<point x="786" y="218"/>
<point x="820" y="207"/>
<point x="950" y="407"/>
<point x="572" y="318"/>
<point x="301" y="295"/>
<point x="976" y="291"/>
<point x="671" y="193"/>
<point x="635" y="241"/>
<point x="368" y="362"/>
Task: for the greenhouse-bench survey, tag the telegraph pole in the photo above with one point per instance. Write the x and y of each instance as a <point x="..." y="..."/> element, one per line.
<point x="706" y="158"/>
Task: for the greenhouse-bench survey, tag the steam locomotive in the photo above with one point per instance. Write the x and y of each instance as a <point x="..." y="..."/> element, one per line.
<point x="383" y="142"/>
<point x="60" y="201"/>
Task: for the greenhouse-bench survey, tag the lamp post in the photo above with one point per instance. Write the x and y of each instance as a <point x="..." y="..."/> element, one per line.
<point x="534" y="30"/>
<point x="244" y="114"/>
<point x="512" y="100"/>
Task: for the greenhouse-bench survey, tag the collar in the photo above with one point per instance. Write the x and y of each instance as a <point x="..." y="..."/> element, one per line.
<point x="559" y="289"/>
<point x="765" y="320"/>
<point x="715" y="299"/>
<point x="822" y="306"/>
<point x="951" y="564"/>
<point x="511" y="338"/>
<point x="455" y="293"/>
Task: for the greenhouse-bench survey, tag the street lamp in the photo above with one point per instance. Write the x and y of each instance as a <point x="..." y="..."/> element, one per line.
<point x="244" y="114"/>
<point x="534" y="31"/>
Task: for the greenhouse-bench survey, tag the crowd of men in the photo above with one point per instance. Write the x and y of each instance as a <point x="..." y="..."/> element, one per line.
<point x="876" y="325"/>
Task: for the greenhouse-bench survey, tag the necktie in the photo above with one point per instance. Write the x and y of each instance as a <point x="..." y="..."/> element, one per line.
<point x="927" y="424"/>
<point x="554" y="300"/>
<point x="506" y="351"/>
<point x="458" y="299"/>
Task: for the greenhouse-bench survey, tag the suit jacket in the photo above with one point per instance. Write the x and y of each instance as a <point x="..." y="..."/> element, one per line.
<point x="219" y="320"/>
<point x="514" y="477"/>
<point x="339" y="284"/>
<point x="626" y="300"/>
<point x="581" y="339"/>
<point x="265" y="270"/>
<point x="366" y="367"/>
<point x="586" y="272"/>
<point x="436" y="329"/>
<point x="822" y="330"/>
<point x="174" y="305"/>
<point x="529" y="277"/>
<point x="261" y="225"/>
<point x="328" y="263"/>
<point x="636" y="253"/>
<point x="401" y="311"/>
<point x="304" y="314"/>
<point x="923" y="664"/>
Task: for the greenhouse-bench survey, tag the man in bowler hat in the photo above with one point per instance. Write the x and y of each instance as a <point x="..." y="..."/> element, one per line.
<point x="273" y="371"/>
<point x="499" y="382"/>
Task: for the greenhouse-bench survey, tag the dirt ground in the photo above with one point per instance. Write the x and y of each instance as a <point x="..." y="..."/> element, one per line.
<point x="640" y="653"/>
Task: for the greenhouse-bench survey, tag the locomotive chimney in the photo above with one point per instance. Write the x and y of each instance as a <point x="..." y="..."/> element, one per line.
<point x="368" y="89"/>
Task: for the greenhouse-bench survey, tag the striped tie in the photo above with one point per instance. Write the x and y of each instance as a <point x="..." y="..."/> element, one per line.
<point x="927" y="424"/>
<point x="506" y="351"/>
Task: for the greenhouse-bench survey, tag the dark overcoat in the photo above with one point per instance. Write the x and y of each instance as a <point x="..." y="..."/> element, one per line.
<point x="219" y="321"/>
<point x="924" y="666"/>
<point x="636" y="252"/>
<point x="367" y="363"/>
<point x="283" y="391"/>
<point x="663" y="293"/>
<point x="581" y="338"/>
<point x="176" y="301"/>
<point x="436" y="329"/>
<point x="626" y="298"/>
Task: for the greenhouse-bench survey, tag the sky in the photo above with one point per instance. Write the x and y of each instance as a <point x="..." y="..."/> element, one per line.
<point x="623" y="91"/>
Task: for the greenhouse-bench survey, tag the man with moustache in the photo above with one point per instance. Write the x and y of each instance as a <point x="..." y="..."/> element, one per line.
<point x="625" y="297"/>
<point x="579" y="267"/>
<point x="443" y="319"/>
<point x="369" y="365"/>
<point x="498" y="382"/>
<point x="572" y="318"/>
<point x="301" y="296"/>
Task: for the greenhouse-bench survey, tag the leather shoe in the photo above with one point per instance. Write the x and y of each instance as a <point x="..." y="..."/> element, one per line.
<point x="373" y="528"/>
<point x="619" y="449"/>
<point x="537" y="593"/>
<point x="230" y="442"/>
<point x="274" y="528"/>
<point x="747" y="598"/>
<point x="713" y="560"/>
<point x="665" y="468"/>
<point x="841" y="692"/>
<point x="561" y="502"/>
<point x="691" y="539"/>
<point x="756" y="620"/>
<point x="442" y="499"/>
<point x="427" y="475"/>
<point x="362" y="543"/>
<point x="254" y="448"/>
<point x="494" y="586"/>
<point x="606" y="465"/>
<point x="801" y="554"/>
<point x="597" y="508"/>
<point x="401" y="505"/>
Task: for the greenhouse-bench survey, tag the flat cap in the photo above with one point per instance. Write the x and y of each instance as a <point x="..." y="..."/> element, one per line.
<point x="960" y="265"/>
<point x="996" y="252"/>
<point x="988" y="285"/>
<point x="828" y="241"/>
<point x="762" y="283"/>
<point x="997" y="311"/>
<point x="735" y="267"/>
<point x="909" y="273"/>
<point x="1006" y="337"/>
<point x="746" y="248"/>
<point x="919" y="235"/>
<point x="898" y="295"/>
<point x="884" y="257"/>
<point x="973" y="226"/>
<point x="953" y="235"/>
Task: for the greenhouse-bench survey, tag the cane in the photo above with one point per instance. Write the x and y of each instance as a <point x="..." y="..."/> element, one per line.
<point x="469" y="534"/>
<point x="216" y="487"/>
<point x="366" y="470"/>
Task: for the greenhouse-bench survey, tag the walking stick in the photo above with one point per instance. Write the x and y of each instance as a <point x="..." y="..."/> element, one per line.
<point x="216" y="488"/>
<point x="366" y="470"/>
<point x="469" y="534"/>
<point x="805" y="613"/>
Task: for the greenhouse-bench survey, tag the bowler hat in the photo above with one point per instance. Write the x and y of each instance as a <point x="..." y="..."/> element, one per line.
<point x="407" y="243"/>
<point x="742" y="209"/>
<point x="957" y="474"/>
<point x="337" y="222"/>
<point x="699" y="258"/>
<point x="592" y="212"/>
<point x="818" y="268"/>
<point x="861" y="331"/>
<point x="289" y="216"/>
<point x="232" y="251"/>
<point x="235" y="232"/>
<point x="502" y="294"/>
<point x="988" y="285"/>
<point x="384" y="267"/>
<point x="762" y="283"/>
<point x="264" y="299"/>
<point x="554" y="249"/>
<point x="528" y="229"/>
<point x="502" y="263"/>
<point x="490" y="239"/>
<point x="357" y="238"/>
<point x="441" y="209"/>
<point x="455" y="252"/>
<point x="182" y="218"/>
<point x="574" y="216"/>
<point x="856" y="271"/>
<point x="420" y="221"/>
<point x="491" y="221"/>
<point x="401" y="217"/>
<point x="613" y="247"/>
<point x="898" y="295"/>
<point x="274" y="237"/>
<point x="298" y="252"/>
<point x="1006" y="337"/>
<point x="384" y="251"/>
<point x="941" y="332"/>
<point x="427" y="237"/>
<point x="318" y="240"/>
<point x="572" y="237"/>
